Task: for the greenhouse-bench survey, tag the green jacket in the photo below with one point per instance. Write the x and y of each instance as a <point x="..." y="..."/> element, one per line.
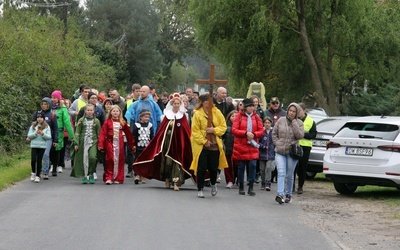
<point x="63" y="121"/>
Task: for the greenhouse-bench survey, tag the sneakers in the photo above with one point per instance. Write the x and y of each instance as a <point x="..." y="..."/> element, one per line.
<point x="258" y="178"/>
<point x="116" y="182"/>
<point x="279" y="199"/>
<point x="94" y="176"/>
<point x="218" y="179"/>
<point x="137" y="179"/>
<point x="213" y="190"/>
<point x="200" y="194"/>
<point x="129" y="174"/>
<point x="33" y="175"/>
<point x="59" y="169"/>
<point x="45" y="177"/>
<point x="300" y="190"/>
<point x="268" y="186"/>
<point x="54" y="174"/>
<point x="109" y="182"/>
<point x="37" y="179"/>
<point x="230" y="184"/>
<point x="85" y="180"/>
<point x="288" y="199"/>
<point x="91" y="179"/>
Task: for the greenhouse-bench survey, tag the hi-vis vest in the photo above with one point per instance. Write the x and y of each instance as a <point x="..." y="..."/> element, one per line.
<point x="308" y="122"/>
<point x="129" y="103"/>
<point x="81" y="104"/>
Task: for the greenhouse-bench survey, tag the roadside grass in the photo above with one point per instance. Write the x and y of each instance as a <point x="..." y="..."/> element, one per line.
<point x="388" y="195"/>
<point x="14" y="169"/>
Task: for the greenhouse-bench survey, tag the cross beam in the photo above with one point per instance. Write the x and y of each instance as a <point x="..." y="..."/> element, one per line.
<point x="211" y="82"/>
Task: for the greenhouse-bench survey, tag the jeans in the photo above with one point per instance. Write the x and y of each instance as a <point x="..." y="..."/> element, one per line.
<point x="252" y="170"/>
<point x="285" y="166"/>
<point x="46" y="157"/>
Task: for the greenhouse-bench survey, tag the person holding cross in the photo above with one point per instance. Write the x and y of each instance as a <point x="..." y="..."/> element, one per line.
<point x="207" y="147"/>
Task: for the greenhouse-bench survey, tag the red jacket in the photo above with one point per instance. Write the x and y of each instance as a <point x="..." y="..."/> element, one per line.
<point x="243" y="151"/>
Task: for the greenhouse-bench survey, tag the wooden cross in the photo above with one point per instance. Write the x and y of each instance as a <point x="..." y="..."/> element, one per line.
<point x="211" y="82"/>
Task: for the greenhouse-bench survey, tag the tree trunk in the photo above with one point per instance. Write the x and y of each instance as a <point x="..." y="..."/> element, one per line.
<point x="323" y="68"/>
<point x="318" y="91"/>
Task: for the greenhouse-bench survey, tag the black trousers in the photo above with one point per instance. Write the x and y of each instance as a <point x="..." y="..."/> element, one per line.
<point x="61" y="160"/>
<point x="36" y="160"/>
<point x="54" y="156"/>
<point x="301" y="168"/>
<point x="208" y="160"/>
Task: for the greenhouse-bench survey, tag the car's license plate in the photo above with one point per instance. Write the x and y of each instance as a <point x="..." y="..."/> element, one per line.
<point x="359" y="151"/>
<point x="319" y="143"/>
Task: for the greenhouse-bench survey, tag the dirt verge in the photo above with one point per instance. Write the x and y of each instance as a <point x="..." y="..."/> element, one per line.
<point x="364" y="220"/>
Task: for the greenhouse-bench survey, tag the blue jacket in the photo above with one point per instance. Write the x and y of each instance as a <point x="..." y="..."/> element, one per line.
<point x="267" y="148"/>
<point x="39" y="141"/>
<point x="132" y="114"/>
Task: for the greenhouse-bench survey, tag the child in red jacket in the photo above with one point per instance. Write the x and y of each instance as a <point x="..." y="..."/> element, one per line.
<point x="111" y="141"/>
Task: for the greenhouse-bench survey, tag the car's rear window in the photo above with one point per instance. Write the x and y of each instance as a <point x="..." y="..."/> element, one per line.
<point x="369" y="131"/>
<point x="330" y="125"/>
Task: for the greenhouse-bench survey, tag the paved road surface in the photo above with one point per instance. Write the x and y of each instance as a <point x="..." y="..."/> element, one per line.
<point x="62" y="213"/>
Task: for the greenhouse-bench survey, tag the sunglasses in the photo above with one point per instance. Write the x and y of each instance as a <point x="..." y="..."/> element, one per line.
<point x="274" y="103"/>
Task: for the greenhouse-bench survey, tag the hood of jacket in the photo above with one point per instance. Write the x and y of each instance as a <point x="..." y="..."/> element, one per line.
<point x="48" y="100"/>
<point x="298" y="109"/>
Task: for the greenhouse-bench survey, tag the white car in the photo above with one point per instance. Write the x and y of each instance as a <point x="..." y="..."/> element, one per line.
<point x="365" y="151"/>
<point x="326" y="129"/>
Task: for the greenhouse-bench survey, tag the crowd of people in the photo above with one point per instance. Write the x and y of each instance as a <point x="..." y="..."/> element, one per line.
<point x="172" y="138"/>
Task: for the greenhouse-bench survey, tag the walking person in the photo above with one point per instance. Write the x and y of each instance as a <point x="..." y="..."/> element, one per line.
<point x="288" y="130"/>
<point x="65" y="150"/>
<point x="39" y="133"/>
<point x="231" y="171"/>
<point x="51" y="119"/>
<point x="143" y="132"/>
<point x="310" y="132"/>
<point x="275" y="112"/>
<point x="207" y="146"/>
<point x="260" y="112"/>
<point x="247" y="128"/>
<point x="63" y="123"/>
<point x="85" y="145"/>
<point x="111" y="142"/>
<point x="169" y="155"/>
<point x="267" y="155"/>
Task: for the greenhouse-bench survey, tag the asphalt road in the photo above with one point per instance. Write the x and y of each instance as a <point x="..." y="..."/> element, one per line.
<point x="62" y="213"/>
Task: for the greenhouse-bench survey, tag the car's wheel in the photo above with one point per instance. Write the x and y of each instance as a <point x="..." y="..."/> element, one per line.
<point x="310" y="175"/>
<point x="344" y="188"/>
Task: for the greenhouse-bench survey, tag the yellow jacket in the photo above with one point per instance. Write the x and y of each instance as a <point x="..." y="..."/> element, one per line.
<point x="198" y="136"/>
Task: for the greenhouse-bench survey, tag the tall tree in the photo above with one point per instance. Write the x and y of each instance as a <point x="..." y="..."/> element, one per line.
<point x="176" y="32"/>
<point x="132" y="26"/>
<point x="306" y="46"/>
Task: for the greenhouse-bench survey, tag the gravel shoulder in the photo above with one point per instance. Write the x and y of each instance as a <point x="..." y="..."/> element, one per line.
<point x="364" y="220"/>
